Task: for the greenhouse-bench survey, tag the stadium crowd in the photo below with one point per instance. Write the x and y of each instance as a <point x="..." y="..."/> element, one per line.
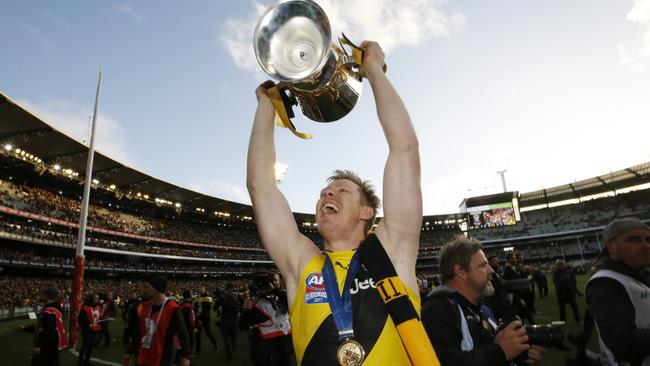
<point x="28" y="291"/>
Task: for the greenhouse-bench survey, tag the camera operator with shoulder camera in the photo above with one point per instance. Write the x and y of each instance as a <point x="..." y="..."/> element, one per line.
<point x="266" y="314"/>
<point x="461" y="329"/>
<point x="618" y="294"/>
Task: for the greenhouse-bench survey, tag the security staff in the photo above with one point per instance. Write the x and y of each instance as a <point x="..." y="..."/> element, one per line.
<point x="461" y="329"/>
<point x="89" y="317"/>
<point x="618" y="293"/>
<point x="49" y="335"/>
<point x="109" y="310"/>
<point x="159" y="321"/>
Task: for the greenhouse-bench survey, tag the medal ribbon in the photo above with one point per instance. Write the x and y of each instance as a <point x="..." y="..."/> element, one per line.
<point x="341" y="306"/>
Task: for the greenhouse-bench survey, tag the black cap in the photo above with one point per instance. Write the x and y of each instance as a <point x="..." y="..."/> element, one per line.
<point x="158" y="282"/>
<point x="52" y="293"/>
<point x="187" y="294"/>
<point x="618" y="226"/>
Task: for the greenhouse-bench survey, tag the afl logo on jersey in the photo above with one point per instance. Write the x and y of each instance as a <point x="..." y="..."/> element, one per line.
<point x="315" y="289"/>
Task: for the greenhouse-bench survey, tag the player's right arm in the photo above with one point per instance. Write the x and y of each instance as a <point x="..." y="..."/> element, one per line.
<point x="289" y="249"/>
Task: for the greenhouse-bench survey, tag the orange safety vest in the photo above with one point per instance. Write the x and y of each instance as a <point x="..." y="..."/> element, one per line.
<point x="93" y="313"/>
<point x="153" y="354"/>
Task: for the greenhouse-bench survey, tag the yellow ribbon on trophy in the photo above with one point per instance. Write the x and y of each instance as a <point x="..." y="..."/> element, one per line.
<point x="282" y="116"/>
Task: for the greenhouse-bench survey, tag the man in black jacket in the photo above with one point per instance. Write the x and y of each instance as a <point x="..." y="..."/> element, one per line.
<point x="49" y="335"/>
<point x="618" y="293"/>
<point x="565" y="289"/>
<point x="540" y="280"/>
<point x="461" y="329"/>
<point x="205" y="310"/>
<point x="128" y="309"/>
<point x="499" y="302"/>
<point x="230" y="308"/>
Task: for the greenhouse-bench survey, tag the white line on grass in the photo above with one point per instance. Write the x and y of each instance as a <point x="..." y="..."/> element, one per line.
<point x="93" y="359"/>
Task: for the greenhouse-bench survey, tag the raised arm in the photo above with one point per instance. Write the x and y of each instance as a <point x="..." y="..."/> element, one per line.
<point x="399" y="230"/>
<point x="275" y="222"/>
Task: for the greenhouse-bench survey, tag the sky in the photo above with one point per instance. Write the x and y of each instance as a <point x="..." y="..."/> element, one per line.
<point x="553" y="91"/>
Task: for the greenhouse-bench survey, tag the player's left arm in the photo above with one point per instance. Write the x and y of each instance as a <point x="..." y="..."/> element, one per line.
<point x="399" y="230"/>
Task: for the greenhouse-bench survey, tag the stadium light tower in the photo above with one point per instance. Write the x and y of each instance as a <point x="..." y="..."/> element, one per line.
<point x="502" y="173"/>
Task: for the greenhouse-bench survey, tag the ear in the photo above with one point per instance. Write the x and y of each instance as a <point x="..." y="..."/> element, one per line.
<point x="460" y="272"/>
<point x="611" y="249"/>
<point x="367" y="213"/>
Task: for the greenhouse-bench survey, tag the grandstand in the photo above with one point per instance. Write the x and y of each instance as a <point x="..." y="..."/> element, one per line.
<point x="139" y="223"/>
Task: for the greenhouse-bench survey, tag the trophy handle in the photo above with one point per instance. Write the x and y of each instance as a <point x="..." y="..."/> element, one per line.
<point x="283" y="102"/>
<point x="357" y="52"/>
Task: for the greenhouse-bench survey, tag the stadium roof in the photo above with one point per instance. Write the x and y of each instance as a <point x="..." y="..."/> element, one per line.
<point x="624" y="178"/>
<point x="25" y="130"/>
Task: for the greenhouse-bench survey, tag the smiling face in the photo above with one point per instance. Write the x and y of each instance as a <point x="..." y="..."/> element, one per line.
<point x="340" y="208"/>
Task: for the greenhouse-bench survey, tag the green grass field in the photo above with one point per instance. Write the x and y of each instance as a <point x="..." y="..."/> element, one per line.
<point x="17" y="345"/>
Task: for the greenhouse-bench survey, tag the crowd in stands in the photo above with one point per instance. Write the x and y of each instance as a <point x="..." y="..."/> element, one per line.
<point x="48" y="233"/>
<point x="56" y="205"/>
<point x="28" y="291"/>
<point x="28" y="257"/>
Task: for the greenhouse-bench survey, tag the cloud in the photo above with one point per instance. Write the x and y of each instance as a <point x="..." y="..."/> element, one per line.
<point x="128" y="10"/>
<point x="393" y="23"/>
<point x="238" y="38"/>
<point x="222" y="189"/>
<point x="27" y="28"/>
<point x="636" y="57"/>
<point x="74" y="120"/>
<point x="55" y="19"/>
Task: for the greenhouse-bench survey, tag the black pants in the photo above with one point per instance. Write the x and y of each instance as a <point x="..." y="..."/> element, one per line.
<point x="543" y="291"/>
<point x="46" y="358"/>
<point x="574" y="306"/>
<point x="205" y="327"/>
<point x="270" y="352"/>
<point x="104" y="333"/>
<point x="126" y="337"/>
<point x="86" y="348"/>
<point x="229" y="332"/>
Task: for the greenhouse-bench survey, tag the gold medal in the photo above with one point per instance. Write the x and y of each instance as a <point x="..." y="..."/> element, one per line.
<point x="350" y="353"/>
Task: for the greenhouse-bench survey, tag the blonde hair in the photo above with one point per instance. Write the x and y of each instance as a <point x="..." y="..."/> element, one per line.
<point x="368" y="195"/>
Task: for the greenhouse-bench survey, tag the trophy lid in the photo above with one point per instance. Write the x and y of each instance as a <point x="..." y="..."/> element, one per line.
<point x="292" y="40"/>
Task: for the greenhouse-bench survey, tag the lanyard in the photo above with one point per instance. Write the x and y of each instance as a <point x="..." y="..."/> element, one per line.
<point x="341" y="306"/>
<point x="94" y="313"/>
<point x="162" y="307"/>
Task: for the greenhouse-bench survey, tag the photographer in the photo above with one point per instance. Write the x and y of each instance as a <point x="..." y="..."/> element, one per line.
<point x="266" y="315"/>
<point x="461" y="329"/>
<point x="618" y="293"/>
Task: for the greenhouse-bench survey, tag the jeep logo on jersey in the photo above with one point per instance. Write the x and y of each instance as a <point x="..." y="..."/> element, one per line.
<point x="315" y="289"/>
<point x="363" y="285"/>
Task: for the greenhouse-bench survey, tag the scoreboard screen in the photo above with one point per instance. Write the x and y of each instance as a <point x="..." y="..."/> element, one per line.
<point x="492" y="215"/>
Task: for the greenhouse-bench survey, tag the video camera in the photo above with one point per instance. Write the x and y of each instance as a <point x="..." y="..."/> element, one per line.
<point x="548" y="335"/>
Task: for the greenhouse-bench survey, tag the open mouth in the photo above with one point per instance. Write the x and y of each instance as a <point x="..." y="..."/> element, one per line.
<point x="330" y="209"/>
